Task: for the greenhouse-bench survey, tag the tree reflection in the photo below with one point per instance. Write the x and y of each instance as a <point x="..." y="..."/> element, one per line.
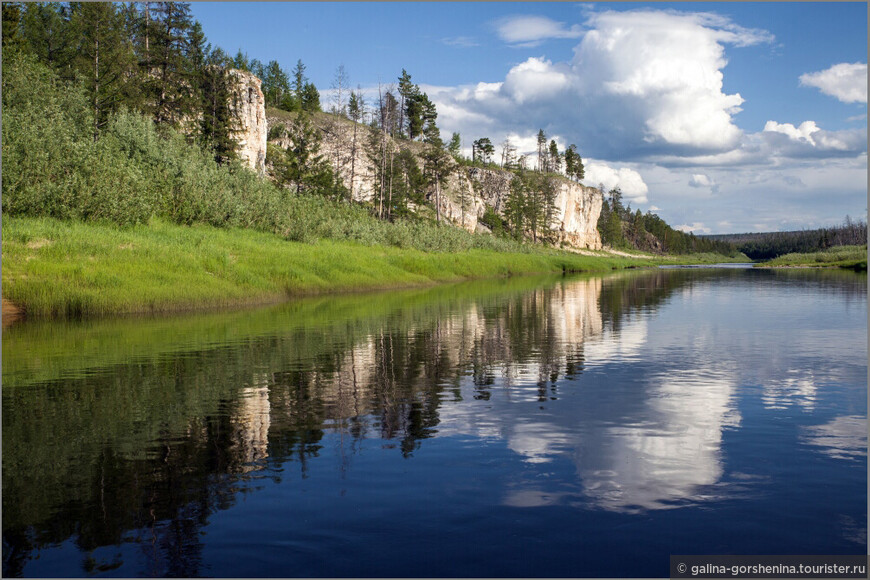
<point x="147" y="451"/>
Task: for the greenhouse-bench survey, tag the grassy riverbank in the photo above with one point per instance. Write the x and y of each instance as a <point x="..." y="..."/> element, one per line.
<point x="850" y="257"/>
<point x="58" y="269"/>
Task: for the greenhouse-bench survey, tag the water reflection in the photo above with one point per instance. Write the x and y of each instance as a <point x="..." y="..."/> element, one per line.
<point x="795" y="388"/>
<point x="669" y="450"/>
<point x="840" y="438"/>
<point x="250" y="425"/>
<point x="108" y="448"/>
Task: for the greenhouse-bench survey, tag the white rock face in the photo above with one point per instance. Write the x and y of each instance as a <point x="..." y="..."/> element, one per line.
<point x="578" y="208"/>
<point x="466" y="193"/>
<point x="249" y="107"/>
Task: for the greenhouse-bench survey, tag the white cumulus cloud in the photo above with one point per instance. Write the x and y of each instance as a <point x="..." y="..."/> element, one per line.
<point x="804" y="132"/>
<point x="535" y="79"/>
<point x="664" y="70"/>
<point x="845" y="81"/>
<point x="809" y="140"/>
<point x="627" y="180"/>
<point x="643" y="97"/>
<point x="640" y="83"/>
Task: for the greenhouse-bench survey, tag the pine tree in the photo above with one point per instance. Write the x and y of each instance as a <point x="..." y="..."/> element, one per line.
<point x="257" y="68"/>
<point x="105" y="57"/>
<point x="13" y="39"/>
<point x="611" y="232"/>
<point x="168" y="82"/>
<point x="414" y="111"/>
<point x="515" y="206"/>
<point x="355" y="107"/>
<point x="276" y="84"/>
<point x="455" y="145"/>
<point x="388" y="113"/>
<point x="554" y="158"/>
<point x="241" y="61"/>
<point x="535" y="205"/>
<point x="217" y="125"/>
<point x="406" y="91"/>
<point x="579" y="169"/>
<point x="542" y="151"/>
<point x="299" y="81"/>
<point x="301" y="166"/>
<point x="48" y="35"/>
<point x="310" y="100"/>
<point x="429" y="115"/>
<point x="436" y="169"/>
<point x="549" y="192"/>
<point x="574" y="164"/>
<point x="482" y="150"/>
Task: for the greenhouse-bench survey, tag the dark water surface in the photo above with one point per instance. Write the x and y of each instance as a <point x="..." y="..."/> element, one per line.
<point x="581" y="426"/>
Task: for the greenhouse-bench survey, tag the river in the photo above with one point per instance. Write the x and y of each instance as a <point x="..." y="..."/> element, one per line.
<point x="576" y="426"/>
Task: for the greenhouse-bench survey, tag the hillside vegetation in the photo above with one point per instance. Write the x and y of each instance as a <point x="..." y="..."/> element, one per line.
<point x="137" y="171"/>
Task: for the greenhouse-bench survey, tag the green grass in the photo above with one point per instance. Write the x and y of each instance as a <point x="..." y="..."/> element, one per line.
<point x="59" y="269"/>
<point x="851" y="257"/>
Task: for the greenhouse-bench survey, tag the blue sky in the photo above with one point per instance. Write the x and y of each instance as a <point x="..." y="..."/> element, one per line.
<point x="721" y="117"/>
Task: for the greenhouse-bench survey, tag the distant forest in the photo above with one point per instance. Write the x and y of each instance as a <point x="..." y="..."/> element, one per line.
<point x="769" y="245"/>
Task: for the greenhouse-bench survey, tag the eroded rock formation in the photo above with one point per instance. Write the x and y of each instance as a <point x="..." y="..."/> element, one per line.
<point x="249" y="107"/>
<point x="577" y="206"/>
<point x="466" y="193"/>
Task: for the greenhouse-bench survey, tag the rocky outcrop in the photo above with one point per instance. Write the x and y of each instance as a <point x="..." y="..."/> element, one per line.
<point x="577" y="206"/>
<point x="577" y="211"/>
<point x="466" y="193"/>
<point x="249" y="108"/>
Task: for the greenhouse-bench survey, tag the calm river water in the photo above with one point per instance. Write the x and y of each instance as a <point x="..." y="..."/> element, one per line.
<point x="580" y="426"/>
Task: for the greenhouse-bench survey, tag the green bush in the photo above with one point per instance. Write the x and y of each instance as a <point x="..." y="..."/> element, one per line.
<point x="135" y="171"/>
<point x="51" y="164"/>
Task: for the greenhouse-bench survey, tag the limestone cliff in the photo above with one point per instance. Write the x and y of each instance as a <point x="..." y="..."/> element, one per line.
<point x="577" y="206"/>
<point x="466" y="193"/>
<point x="249" y="108"/>
<point x="577" y="211"/>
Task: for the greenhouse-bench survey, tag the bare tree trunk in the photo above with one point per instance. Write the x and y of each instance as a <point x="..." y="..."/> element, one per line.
<point x="383" y="175"/>
<point x="353" y="160"/>
<point x="390" y="199"/>
<point x="96" y="88"/>
<point x="383" y="152"/>
<point x="437" y="200"/>
<point x="462" y="198"/>
<point x="147" y="27"/>
<point x="402" y="113"/>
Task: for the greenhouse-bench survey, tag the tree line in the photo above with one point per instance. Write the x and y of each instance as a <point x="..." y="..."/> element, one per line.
<point x="620" y="227"/>
<point x="769" y="245"/>
<point x="151" y="57"/>
<point x="549" y="159"/>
